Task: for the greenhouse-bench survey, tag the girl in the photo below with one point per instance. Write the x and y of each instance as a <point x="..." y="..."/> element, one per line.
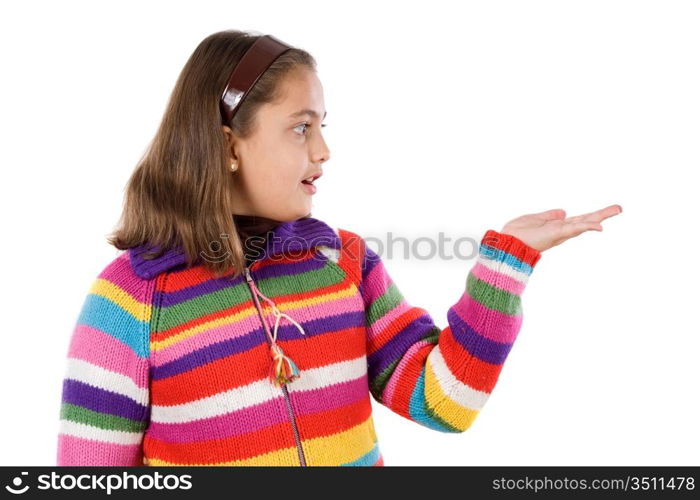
<point x="236" y="329"/>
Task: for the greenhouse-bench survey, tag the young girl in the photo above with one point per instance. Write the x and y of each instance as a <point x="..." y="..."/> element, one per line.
<point x="236" y="329"/>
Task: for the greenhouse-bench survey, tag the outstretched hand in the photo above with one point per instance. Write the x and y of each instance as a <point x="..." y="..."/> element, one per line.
<point x="545" y="230"/>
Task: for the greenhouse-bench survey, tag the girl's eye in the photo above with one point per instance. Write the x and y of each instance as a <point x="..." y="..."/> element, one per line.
<point x="306" y="125"/>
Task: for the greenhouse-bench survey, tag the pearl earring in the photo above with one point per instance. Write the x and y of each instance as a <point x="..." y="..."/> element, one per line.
<point x="234" y="166"/>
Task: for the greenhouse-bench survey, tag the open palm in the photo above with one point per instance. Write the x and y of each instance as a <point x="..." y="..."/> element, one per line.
<point x="545" y="230"/>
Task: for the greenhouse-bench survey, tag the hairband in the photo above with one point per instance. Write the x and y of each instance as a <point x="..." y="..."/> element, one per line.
<point x="254" y="62"/>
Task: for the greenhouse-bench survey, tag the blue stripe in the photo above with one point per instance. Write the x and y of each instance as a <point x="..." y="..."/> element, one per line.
<point x="104" y="315"/>
<point x="368" y="459"/>
<point x="416" y="407"/>
<point x="491" y="253"/>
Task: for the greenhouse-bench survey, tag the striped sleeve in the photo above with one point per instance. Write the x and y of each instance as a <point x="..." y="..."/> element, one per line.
<point x="442" y="377"/>
<point x="105" y="398"/>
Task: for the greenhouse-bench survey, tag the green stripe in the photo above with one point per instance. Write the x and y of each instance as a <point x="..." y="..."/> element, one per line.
<point x="202" y="305"/>
<point x="493" y="298"/>
<point x="383" y="304"/>
<point x="103" y="421"/>
<point x="377" y="385"/>
<point x="429" y="411"/>
<point x="299" y="283"/>
<point x="238" y="294"/>
<point x="433" y="335"/>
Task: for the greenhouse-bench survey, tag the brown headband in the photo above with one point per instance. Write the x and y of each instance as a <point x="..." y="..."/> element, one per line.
<point x="254" y="62"/>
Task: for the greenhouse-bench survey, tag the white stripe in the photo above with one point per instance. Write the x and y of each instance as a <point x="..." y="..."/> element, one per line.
<point x="504" y="268"/>
<point x="257" y="392"/>
<point x="462" y="394"/>
<point x="96" y="376"/>
<point x="323" y="376"/>
<point x="330" y="253"/>
<point x="95" y="433"/>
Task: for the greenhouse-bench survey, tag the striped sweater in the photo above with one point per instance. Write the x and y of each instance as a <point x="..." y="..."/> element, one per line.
<point x="170" y="365"/>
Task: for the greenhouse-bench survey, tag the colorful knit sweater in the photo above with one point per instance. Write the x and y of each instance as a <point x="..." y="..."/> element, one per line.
<point x="170" y="365"/>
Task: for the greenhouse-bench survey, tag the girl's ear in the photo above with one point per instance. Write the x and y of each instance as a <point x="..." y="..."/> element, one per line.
<point x="229" y="137"/>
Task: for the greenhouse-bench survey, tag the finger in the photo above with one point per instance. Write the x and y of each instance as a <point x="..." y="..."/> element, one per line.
<point x="597" y="216"/>
<point x="610" y="211"/>
<point x="574" y="229"/>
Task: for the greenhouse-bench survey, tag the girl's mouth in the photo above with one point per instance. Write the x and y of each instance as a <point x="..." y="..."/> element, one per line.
<point x="309" y="187"/>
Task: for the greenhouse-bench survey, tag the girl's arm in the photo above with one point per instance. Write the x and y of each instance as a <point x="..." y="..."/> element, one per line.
<point x="105" y="400"/>
<point x="442" y="377"/>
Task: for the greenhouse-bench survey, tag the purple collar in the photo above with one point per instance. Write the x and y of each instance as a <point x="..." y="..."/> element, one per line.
<point x="292" y="236"/>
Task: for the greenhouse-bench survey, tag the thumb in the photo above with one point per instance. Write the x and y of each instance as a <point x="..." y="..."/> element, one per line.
<point x="554" y="214"/>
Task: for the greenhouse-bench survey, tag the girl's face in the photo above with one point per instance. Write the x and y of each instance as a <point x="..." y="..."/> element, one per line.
<point x="286" y="148"/>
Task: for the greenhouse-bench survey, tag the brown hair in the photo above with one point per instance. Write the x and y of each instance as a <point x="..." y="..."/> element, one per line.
<point x="179" y="192"/>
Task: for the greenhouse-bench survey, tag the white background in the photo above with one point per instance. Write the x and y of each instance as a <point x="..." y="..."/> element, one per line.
<point x="442" y="116"/>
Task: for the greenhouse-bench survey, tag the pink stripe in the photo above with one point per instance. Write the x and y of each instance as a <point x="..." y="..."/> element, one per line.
<point x="120" y="272"/>
<point x="376" y="284"/>
<point x="250" y="419"/>
<point x="75" y="451"/>
<point x="377" y="281"/>
<point x="101" y="349"/>
<point x="330" y="397"/>
<point x="228" y="331"/>
<point x="390" y="387"/>
<point x="244" y="327"/>
<point x="488" y="323"/>
<point x="324" y="308"/>
<point x="498" y="280"/>
<point x="383" y="322"/>
<point x="260" y="416"/>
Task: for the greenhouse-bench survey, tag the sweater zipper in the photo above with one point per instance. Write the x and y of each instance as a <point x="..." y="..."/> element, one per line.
<point x="287" y="401"/>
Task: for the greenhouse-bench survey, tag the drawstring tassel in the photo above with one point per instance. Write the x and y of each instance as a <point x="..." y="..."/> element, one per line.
<point x="283" y="369"/>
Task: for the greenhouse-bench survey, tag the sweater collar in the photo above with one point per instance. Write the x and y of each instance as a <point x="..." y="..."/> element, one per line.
<point x="288" y="237"/>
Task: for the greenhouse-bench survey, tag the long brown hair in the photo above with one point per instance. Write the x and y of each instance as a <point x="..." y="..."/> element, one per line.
<point x="180" y="191"/>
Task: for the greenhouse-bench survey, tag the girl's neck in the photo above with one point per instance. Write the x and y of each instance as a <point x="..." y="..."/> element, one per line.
<point x="249" y="226"/>
<point x="253" y="225"/>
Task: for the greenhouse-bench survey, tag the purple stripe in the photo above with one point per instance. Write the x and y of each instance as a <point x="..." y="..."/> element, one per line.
<point x="399" y="344"/>
<point x="209" y="354"/>
<point x="168" y="299"/>
<point x="102" y="401"/>
<point x="291" y="236"/>
<point x="370" y="260"/>
<point x="481" y="347"/>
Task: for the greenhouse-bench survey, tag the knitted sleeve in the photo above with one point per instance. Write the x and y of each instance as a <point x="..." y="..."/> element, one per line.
<point x="105" y="400"/>
<point x="442" y="377"/>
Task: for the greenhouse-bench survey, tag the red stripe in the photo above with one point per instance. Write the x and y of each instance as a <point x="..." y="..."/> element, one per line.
<point x="512" y="245"/>
<point x="325" y="423"/>
<point x="240" y="447"/>
<point x="480" y="375"/>
<point x="226" y="373"/>
<point x="394" y="327"/>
